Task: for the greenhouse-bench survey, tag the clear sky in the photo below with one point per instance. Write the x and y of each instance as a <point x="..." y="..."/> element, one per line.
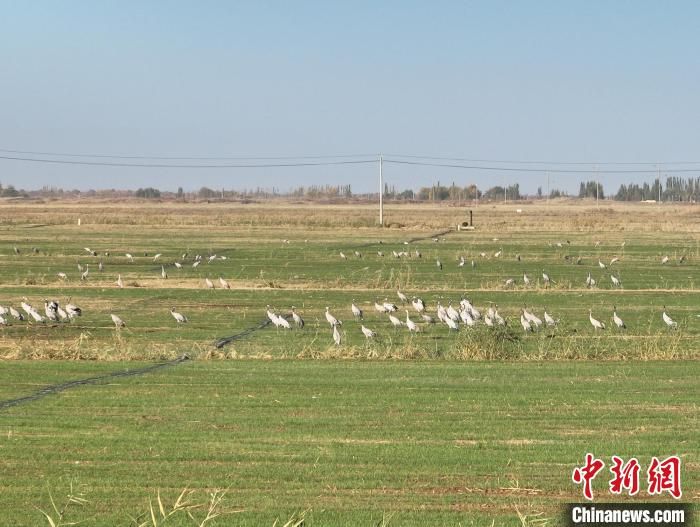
<point x="590" y="81"/>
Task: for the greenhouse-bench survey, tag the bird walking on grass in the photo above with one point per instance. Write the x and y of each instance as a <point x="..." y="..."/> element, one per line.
<point x="209" y="283"/>
<point x="119" y="281"/>
<point x="224" y="283"/>
<point x="163" y="274"/>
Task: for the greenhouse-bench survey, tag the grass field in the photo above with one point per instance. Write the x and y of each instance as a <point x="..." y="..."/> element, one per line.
<point x="352" y="442"/>
<point x="477" y="425"/>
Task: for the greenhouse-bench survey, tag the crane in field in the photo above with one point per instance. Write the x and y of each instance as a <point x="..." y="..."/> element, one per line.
<point x="179" y="317"/>
<point x="597" y="324"/>
<point x="668" y="320"/>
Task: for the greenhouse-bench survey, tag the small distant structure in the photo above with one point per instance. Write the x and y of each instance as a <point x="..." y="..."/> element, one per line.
<point x="467" y="225"/>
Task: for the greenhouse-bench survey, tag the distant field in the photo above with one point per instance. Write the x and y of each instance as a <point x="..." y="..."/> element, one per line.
<point x="434" y="428"/>
<point x="309" y="273"/>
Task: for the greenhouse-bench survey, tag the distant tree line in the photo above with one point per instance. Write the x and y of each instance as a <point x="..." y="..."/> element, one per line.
<point x="675" y="189"/>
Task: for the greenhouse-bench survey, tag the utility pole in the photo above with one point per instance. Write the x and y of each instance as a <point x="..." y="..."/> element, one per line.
<point x="381" y="192"/>
<point x="548" y="187"/>
<point x="597" y="186"/>
<point x="658" y="179"/>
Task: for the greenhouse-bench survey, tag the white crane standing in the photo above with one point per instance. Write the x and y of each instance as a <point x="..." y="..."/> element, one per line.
<point x="525" y="323"/>
<point x="86" y="272"/>
<point x="336" y="336"/>
<point x="331" y="319"/>
<point x="72" y="310"/>
<point x="412" y="326"/>
<point x="396" y="322"/>
<point x="402" y="297"/>
<point x="163" y="274"/>
<point x="209" y="283"/>
<point x="418" y="305"/>
<point x="297" y="319"/>
<point x="224" y="283"/>
<point x="668" y="320"/>
<point x="617" y="320"/>
<point x="597" y="324"/>
<point x="179" y="317"/>
<point x="368" y="333"/>
<point x="356" y="311"/>
<point x="119" y="281"/>
<point x="549" y="319"/>
<point x="118" y="322"/>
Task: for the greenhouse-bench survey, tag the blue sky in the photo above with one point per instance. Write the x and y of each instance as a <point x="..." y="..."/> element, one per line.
<point x="590" y="81"/>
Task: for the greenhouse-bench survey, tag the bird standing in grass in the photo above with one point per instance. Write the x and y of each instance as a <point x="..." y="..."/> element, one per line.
<point x="179" y="317"/>
<point x="119" y="281"/>
<point x="336" y="335"/>
<point x="597" y="324"/>
<point x="163" y="274"/>
<point x="331" y="319"/>
<point x="439" y="264"/>
<point x="617" y="320"/>
<point x="549" y="320"/>
<point x="209" y="283"/>
<point x="668" y="320"/>
<point x="412" y="326"/>
<point x="356" y="311"/>
<point x="118" y="322"/>
<point x="297" y="319"/>
<point x="368" y="333"/>
<point x="224" y="283"/>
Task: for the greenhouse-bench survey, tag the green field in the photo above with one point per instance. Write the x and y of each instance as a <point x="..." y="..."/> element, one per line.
<point x="351" y="442"/>
<point x="439" y="427"/>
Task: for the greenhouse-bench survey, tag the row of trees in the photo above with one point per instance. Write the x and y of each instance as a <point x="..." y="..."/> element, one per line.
<point x="675" y="189"/>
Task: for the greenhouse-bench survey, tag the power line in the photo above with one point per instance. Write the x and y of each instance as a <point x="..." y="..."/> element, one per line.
<point x="563" y="163"/>
<point x="191" y="166"/>
<point x="183" y="158"/>
<point x="538" y="170"/>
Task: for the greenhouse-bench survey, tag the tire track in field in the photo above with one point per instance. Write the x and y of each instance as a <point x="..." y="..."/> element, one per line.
<point x="53" y="389"/>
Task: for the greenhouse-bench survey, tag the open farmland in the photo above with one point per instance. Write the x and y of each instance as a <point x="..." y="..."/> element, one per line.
<point x="439" y="427"/>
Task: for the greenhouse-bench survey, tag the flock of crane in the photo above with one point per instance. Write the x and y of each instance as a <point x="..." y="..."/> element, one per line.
<point x="464" y="314"/>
